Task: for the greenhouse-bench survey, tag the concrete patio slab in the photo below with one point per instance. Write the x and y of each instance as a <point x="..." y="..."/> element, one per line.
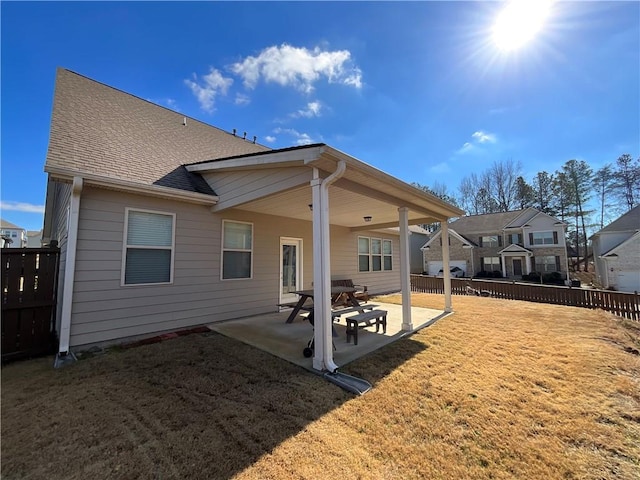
<point x="270" y="333"/>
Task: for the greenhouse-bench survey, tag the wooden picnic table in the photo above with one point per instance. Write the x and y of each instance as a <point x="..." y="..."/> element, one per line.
<point x="336" y="292"/>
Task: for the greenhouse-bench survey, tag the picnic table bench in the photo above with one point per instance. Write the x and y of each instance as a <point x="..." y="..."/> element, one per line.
<point x="335" y="314"/>
<point x="363" y="320"/>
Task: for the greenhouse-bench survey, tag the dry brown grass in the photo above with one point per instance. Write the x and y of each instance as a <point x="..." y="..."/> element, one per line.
<point x="501" y="389"/>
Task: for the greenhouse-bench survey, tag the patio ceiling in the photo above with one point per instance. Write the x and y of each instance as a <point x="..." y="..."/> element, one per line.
<point x="363" y="191"/>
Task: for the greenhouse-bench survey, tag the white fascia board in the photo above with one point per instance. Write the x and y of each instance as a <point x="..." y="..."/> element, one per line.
<point x="269" y="159"/>
<point x="555" y="220"/>
<point x="120" y="185"/>
<point x="513" y="248"/>
<point x="447" y="210"/>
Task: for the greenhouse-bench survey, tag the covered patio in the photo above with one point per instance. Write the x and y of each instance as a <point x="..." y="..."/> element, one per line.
<point x="332" y="190"/>
<point x="271" y="333"/>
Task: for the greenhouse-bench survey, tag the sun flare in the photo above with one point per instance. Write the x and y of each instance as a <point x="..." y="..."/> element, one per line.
<point x="519" y="23"/>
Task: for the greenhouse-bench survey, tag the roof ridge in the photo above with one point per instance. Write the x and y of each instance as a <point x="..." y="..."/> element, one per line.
<point x="157" y="105"/>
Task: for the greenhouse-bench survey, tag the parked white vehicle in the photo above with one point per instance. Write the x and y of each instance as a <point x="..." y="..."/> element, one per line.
<point x="456" y="272"/>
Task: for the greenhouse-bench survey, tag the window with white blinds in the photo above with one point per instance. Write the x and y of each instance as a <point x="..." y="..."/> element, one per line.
<point x="237" y="249"/>
<point x="149" y="244"/>
<point x="374" y="254"/>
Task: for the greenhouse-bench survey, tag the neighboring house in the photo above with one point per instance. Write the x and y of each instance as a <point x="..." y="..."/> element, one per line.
<point x="506" y="244"/>
<point x="418" y="236"/>
<point x="616" y="253"/>
<point x="165" y="222"/>
<point x="34" y="238"/>
<point x="12" y="235"/>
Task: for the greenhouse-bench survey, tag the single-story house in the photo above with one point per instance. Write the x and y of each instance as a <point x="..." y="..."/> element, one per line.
<point x="504" y="244"/>
<point x="165" y="222"/>
<point x="616" y="253"/>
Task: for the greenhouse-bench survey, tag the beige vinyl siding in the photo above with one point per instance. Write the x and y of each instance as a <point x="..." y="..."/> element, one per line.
<point x="235" y="188"/>
<point x="344" y="260"/>
<point x="104" y="311"/>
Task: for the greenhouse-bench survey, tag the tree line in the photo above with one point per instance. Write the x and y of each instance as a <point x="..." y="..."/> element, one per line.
<point x="583" y="198"/>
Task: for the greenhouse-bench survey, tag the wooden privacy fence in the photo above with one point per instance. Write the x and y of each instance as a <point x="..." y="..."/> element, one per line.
<point x="623" y="304"/>
<point x="29" y="280"/>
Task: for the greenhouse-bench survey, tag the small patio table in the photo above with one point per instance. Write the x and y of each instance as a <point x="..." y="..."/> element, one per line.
<point x="335" y="293"/>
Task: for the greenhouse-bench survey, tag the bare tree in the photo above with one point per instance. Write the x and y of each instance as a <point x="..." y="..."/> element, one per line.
<point x="468" y="199"/>
<point x="503" y="184"/>
<point x="627" y="180"/>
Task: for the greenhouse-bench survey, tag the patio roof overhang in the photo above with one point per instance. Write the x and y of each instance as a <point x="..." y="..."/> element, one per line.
<point x="362" y="191"/>
<point x="322" y="185"/>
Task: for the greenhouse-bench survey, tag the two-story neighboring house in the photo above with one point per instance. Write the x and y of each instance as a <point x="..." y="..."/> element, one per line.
<point x="13" y="236"/>
<point x="511" y="244"/>
<point x="616" y="253"/>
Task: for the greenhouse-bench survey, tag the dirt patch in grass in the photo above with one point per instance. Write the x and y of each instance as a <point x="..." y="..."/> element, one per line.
<point x="501" y="389"/>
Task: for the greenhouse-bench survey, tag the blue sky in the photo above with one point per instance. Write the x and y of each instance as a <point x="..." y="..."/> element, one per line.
<point x="419" y="90"/>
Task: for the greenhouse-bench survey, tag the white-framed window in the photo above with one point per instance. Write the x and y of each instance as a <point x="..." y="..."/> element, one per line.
<point x="543" y="238"/>
<point x="374" y="254"/>
<point x="149" y="243"/>
<point x="237" y="250"/>
<point x="546" y="264"/>
<point x="490" y="241"/>
<point x="387" y="255"/>
<point x="490" y="264"/>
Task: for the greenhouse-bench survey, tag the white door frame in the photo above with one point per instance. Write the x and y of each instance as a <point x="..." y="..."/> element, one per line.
<point x="286" y="298"/>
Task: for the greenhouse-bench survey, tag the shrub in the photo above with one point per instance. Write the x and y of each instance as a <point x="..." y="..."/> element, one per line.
<point x="532" y="277"/>
<point x="496" y="274"/>
<point x="553" y="278"/>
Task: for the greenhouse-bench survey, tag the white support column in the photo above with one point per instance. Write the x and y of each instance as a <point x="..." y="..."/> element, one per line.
<point x="444" y="226"/>
<point x="318" y="274"/>
<point x="70" y="266"/>
<point x="503" y="258"/>
<point x="323" y="323"/>
<point x="528" y="264"/>
<point x="405" y="269"/>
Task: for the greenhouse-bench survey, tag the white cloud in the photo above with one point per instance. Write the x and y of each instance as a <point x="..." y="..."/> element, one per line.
<point x="312" y="110"/>
<point x="269" y="139"/>
<point x="208" y="88"/>
<point x="442" y="167"/>
<point x="477" y="139"/>
<point x="298" y="67"/>
<point x="483" y="137"/>
<point x="21" y="207"/>
<point x="465" y="148"/>
<point x="300" y="138"/>
<point x="242" y="99"/>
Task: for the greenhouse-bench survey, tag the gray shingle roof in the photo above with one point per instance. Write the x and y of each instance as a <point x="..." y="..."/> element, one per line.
<point x="490" y="222"/>
<point x="5" y="224"/>
<point x="100" y="130"/>
<point x="628" y="222"/>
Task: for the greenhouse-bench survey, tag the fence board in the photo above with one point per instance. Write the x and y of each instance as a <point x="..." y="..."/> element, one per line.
<point x="623" y="304"/>
<point x="29" y="277"/>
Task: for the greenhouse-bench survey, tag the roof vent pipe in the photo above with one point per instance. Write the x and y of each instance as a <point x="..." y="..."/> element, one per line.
<point x="254" y="139"/>
<point x="244" y="137"/>
<point x="234" y="132"/>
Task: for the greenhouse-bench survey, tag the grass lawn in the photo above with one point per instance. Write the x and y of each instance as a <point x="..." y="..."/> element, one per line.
<point x="500" y="389"/>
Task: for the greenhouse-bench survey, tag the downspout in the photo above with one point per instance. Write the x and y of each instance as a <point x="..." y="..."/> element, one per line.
<point x="64" y="355"/>
<point x="322" y="278"/>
